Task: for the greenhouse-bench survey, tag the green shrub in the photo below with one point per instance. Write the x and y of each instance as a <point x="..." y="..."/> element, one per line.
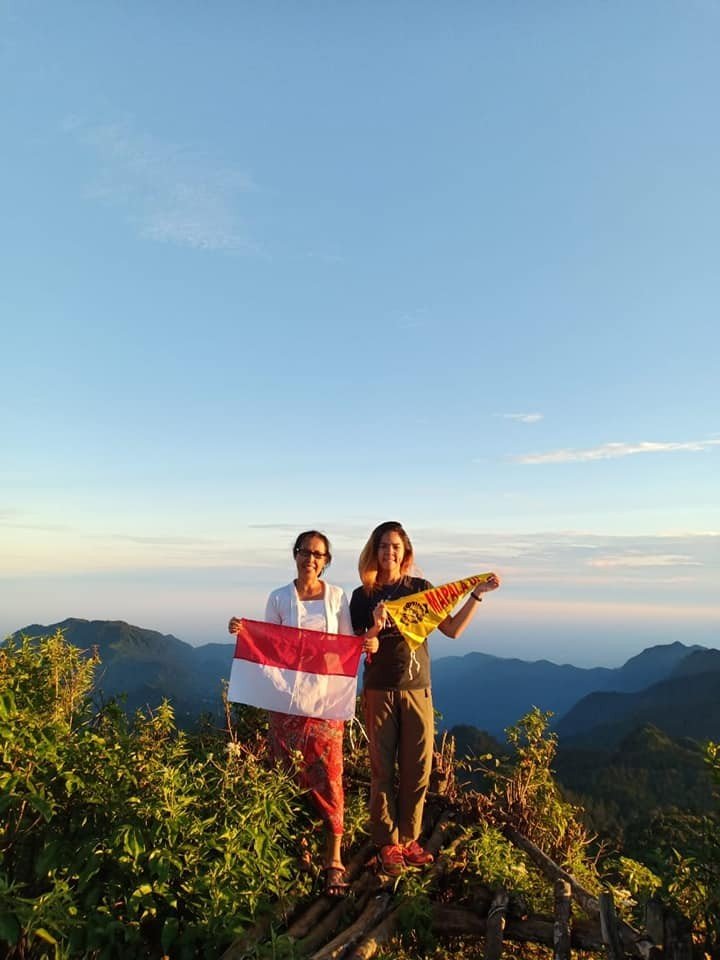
<point x="126" y="839"/>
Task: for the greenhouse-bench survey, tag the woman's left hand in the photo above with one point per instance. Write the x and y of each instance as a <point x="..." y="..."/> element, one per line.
<point x="492" y="583"/>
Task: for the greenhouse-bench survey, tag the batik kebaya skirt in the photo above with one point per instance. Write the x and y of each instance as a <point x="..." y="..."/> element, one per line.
<point x="319" y="743"/>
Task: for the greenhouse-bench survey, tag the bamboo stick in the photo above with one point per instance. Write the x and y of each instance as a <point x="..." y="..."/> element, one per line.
<point x="495" y="925"/>
<point x="561" y="927"/>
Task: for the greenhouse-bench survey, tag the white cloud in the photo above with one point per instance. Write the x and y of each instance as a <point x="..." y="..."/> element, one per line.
<point x="612" y="451"/>
<point x="522" y="417"/>
<point x="171" y="193"/>
<point x="645" y="560"/>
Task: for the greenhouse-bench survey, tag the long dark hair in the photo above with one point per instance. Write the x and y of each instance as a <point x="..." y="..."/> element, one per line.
<point x="367" y="564"/>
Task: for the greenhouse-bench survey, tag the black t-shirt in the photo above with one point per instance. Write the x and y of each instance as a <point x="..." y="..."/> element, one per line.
<point x="395" y="666"/>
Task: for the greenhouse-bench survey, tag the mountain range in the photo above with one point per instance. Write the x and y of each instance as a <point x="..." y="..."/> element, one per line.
<point x="674" y="687"/>
<point x="493" y="692"/>
<point x="685" y="703"/>
<point x="145" y="666"/>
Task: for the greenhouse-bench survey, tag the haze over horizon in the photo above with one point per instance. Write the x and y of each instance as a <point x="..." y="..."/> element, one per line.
<point x="274" y="267"/>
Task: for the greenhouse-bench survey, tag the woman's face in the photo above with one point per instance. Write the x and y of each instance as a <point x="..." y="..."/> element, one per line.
<point x="390" y="555"/>
<point x="311" y="557"/>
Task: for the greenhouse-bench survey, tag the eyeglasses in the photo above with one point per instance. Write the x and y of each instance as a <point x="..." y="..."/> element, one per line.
<point x="306" y="554"/>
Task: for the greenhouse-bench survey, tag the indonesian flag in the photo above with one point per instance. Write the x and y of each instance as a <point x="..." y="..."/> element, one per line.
<point x="304" y="672"/>
<point x="417" y="615"/>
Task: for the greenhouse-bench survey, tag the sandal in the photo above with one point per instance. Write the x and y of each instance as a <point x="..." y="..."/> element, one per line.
<point x="334" y="884"/>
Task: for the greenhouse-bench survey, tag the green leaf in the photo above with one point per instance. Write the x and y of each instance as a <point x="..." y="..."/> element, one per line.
<point x="42" y="806"/>
<point x="9" y="928"/>
<point x="49" y="858"/>
<point x="45" y="935"/>
<point x="169" y="933"/>
<point x="7" y="705"/>
<point x="133" y="842"/>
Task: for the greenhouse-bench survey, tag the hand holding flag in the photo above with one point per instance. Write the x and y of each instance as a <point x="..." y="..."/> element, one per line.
<point x="417" y="615"/>
<point x="292" y="670"/>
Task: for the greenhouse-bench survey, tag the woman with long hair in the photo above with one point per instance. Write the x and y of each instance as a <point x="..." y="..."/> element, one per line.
<point x="397" y="696"/>
<point x="312" y="603"/>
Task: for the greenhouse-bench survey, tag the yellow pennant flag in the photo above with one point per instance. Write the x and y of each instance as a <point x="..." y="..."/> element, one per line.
<point x="417" y="616"/>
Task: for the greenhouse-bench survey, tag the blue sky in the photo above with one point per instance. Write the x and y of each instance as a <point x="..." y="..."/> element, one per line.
<point x="273" y="266"/>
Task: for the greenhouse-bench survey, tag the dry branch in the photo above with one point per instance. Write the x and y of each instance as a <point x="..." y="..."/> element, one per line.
<point x="374" y="910"/>
<point x="378" y="936"/>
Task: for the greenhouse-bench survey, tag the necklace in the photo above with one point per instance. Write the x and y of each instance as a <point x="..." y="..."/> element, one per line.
<point x="392" y="594"/>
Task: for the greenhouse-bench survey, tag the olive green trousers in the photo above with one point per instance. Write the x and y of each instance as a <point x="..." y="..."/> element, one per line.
<point x="400" y="728"/>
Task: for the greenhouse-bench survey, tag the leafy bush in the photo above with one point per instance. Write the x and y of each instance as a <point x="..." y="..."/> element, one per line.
<point x="694" y="879"/>
<point x="129" y="840"/>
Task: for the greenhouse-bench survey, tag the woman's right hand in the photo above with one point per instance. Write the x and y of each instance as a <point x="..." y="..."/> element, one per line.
<point x="234" y="625"/>
<point x="371" y="645"/>
<point x="379" y="617"/>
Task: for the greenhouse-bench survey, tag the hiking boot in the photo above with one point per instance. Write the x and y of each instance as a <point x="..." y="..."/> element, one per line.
<point x="392" y="860"/>
<point x="414" y="855"/>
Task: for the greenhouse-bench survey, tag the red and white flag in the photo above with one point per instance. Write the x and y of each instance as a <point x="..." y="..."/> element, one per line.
<point x="304" y="672"/>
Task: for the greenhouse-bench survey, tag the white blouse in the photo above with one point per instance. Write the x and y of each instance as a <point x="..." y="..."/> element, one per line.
<point x="283" y="606"/>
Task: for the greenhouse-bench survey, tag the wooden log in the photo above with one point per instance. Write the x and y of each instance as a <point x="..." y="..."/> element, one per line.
<point x="376" y="938"/>
<point x="449" y="920"/>
<point x="584" y="935"/>
<point x="609" y="926"/>
<point x="632" y="940"/>
<point x="246" y="942"/>
<point x="315" y="923"/>
<point x="303" y="924"/>
<point x="369" y="944"/>
<point x="341" y="913"/>
<point x="561" y="926"/>
<point x="496" y="925"/>
<point x="374" y="910"/>
<point x="553" y="872"/>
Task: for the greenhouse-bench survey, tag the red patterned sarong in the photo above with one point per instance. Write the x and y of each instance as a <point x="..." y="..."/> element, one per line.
<point x="319" y="742"/>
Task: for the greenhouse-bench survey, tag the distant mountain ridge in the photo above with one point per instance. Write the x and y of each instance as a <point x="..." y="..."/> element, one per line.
<point x="686" y="703"/>
<point x="493" y="692"/>
<point x="600" y="704"/>
<point x="147" y="666"/>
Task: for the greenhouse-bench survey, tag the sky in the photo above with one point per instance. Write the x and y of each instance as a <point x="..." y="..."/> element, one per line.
<point x="279" y="266"/>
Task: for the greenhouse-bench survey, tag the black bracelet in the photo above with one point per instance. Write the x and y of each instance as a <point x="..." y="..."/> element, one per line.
<point x="475" y="597"/>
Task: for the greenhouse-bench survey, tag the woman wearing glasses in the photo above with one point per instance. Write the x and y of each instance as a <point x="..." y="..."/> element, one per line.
<point x="313" y="604"/>
<point x="396" y="695"/>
